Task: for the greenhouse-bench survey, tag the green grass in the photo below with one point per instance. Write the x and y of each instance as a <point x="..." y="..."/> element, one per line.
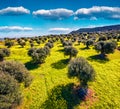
<point x="51" y="87"/>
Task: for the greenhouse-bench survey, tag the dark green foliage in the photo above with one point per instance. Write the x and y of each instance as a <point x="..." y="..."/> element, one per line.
<point x="102" y="38"/>
<point x="79" y="41"/>
<point x="47" y="50"/>
<point x="38" y="41"/>
<point x="67" y="43"/>
<point x="16" y="70"/>
<point x="32" y="45"/>
<point x="49" y="44"/>
<point x="71" y="51"/>
<point x="9" y="43"/>
<point x="89" y="42"/>
<point x="31" y="51"/>
<point x="80" y="68"/>
<point x="109" y="37"/>
<point x="118" y="38"/>
<point x="10" y="95"/>
<point x="105" y="47"/>
<point x="38" y="55"/>
<point x="22" y="43"/>
<point x="4" y="52"/>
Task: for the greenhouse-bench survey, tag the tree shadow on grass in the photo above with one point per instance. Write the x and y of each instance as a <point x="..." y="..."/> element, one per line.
<point x="60" y="50"/>
<point x="77" y="44"/>
<point x="61" y="64"/>
<point x="85" y="48"/>
<point x="31" y="66"/>
<point x="61" y="97"/>
<point x="98" y="58"/>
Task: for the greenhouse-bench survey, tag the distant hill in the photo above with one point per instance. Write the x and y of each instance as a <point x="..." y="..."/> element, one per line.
<point x="97" y="29"/>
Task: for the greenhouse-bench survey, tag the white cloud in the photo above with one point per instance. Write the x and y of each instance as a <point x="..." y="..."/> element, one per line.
<point x="14" y="11"/>
<point x="98" y="12"/>
<point x="59" y="30"/>
<point x="14" y="28"/>
<point x="93" y="18"/>
<point x="54" y="14"/>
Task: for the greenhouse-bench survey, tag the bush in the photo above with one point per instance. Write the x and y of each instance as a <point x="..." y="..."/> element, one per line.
<point x="10" y="95"/>
<point x="38" y="55"/>
<point x="102" y="38"/>
<point x="9" y="43"/>
<point x="67" y="43"/>
<point x="22" y="43"/>
<point x="49" y="44"/>
<point x="31" y="51"/>
<point x="47" y="50"/>
<point x="16" y="70"/>
<point x="71" y="51"/>
<point x="32" y="45"/>
<point x="80" y="68"/>
<point x="89" y="42"/>
<point x="105" y="47"/>
<point x="4" y="52"/>
<point x="118" y="38"/>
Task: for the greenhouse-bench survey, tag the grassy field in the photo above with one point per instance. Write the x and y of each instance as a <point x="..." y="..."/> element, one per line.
<point x="51" y="87"/>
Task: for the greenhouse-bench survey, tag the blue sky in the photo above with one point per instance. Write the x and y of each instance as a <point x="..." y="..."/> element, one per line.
<point x="20" y="18"/>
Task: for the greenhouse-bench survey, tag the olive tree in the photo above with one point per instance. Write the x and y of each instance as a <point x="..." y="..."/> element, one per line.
<point x="17" y="70"/>
<point x="105" y="47"/>
<point x="4" y="52"/>
<point x="22" y="43"/>
<point x="89" y="42"/>
<point x="71" y="51"/>
<point x="80" y="68"/>
<point x="9" y="43"/>
<point x="10" y="95"/>
<point x="38" y="55"/>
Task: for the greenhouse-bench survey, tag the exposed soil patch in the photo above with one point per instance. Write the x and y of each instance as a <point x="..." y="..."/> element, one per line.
<point x="89" y="99"/>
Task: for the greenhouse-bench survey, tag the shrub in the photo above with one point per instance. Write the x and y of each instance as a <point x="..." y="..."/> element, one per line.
<point x="22" y="43"/>
<point x="80" y="68"/>
<point x="102" y="38"/>
<point x="118" y="38"/>
<point x="31" y="51"/>
<point x="38" y="55"/>
<point x="47" y="50"/>
<point x="105" y="47"/>
<point x="10" y="95"/>
<point x="9" y="43"/>
<point x="4" y="52"/>
<point x="49" y="44"/>
<point x="32" y="45"/>
<point x="16" y="70"/>
<point x="38" y="41"/>
<point x="89" y="42"/>
<point x="67" y="43"/>
<point x="71" y="51"/>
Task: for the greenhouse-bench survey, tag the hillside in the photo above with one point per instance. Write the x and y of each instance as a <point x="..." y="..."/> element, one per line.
<point x="97" y="29"/>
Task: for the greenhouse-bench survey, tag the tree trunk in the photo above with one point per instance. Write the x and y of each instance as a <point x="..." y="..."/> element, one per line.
<point x="70" y="57"/>
<point x="102" y="54"/>
<point x="82" y="92"/>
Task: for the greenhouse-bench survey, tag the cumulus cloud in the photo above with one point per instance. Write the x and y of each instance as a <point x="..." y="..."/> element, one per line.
<point x="98" y="12"/>
<point x="14" y="28"/>
<point x="14" y="11"/>
<point x="59" y="30"/>
<point x="54" y="14"/>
